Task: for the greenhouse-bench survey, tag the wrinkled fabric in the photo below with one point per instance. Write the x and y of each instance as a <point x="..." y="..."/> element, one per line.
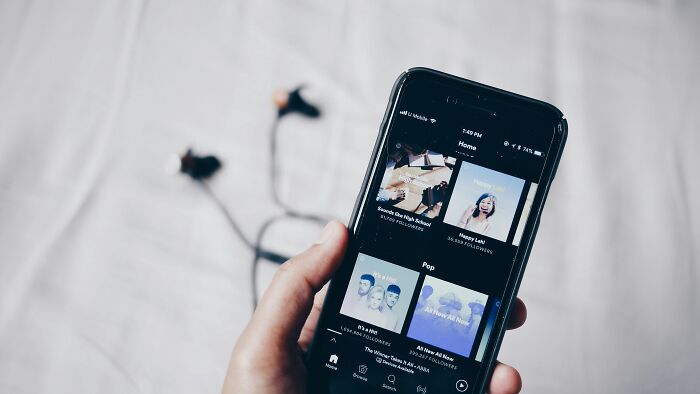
<point x="116" y="277"/>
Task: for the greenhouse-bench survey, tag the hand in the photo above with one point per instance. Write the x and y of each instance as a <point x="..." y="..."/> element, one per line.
<point x="434" y="211"/>
<point x="267" y="359"/>
<point x="397" y="195"/>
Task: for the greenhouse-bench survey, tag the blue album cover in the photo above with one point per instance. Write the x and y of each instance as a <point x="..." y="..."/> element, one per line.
<point x="447" y="316"/>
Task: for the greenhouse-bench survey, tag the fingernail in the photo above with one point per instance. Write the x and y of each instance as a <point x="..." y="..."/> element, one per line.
<point x="326" y="233"/>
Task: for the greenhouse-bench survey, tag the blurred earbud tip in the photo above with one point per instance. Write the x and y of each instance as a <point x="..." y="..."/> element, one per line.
<point x="280" y="98"/>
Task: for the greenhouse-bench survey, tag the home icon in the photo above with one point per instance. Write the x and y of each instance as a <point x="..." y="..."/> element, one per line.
<point x="333" y="359"/>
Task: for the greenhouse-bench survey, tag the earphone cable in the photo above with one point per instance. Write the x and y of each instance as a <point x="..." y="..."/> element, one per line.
<point x="227" y="214"/>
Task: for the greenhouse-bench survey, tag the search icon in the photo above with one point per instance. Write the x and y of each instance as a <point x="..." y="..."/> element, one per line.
<point x="391" y="379"/>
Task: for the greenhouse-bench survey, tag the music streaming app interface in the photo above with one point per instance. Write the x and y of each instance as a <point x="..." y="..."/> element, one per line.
<point x="447" y="206"/>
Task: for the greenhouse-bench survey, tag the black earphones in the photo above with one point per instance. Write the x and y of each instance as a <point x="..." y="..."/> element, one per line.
<point x="288" y="102"/>
<point x="199" y="167"/>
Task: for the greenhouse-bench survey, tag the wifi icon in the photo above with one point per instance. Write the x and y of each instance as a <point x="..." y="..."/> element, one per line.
<point x="432" y="120"/>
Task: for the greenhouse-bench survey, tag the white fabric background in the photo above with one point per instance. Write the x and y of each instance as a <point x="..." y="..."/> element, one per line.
<point x="118" y="278"/>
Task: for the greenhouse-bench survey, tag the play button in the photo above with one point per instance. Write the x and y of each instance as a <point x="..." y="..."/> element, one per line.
<point x="461" y="385"/>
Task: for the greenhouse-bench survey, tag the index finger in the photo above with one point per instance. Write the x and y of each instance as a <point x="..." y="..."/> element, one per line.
<point x="518" y="314"/>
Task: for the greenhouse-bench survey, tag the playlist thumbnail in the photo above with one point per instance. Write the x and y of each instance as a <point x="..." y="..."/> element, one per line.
<point x="490" y="323"/>
<point x="524" y="215"/>
<point x="447" y="316"/>
<point x="379" y="293"/>
<point x="484" y="201"/>
<point x="415" y="179"/>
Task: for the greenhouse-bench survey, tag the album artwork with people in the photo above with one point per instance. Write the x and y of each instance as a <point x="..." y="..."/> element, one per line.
<point x="379" y="293"/>
<point x="484" y="201"/>
<point x="415" y="179"/>
<point x="447" y="316"/>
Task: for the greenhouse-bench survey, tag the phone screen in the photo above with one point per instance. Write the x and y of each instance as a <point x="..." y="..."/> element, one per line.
<point x="415" y="306"/>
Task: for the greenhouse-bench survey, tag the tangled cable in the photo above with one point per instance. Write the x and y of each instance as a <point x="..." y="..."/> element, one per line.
<point x="201" y="168"/>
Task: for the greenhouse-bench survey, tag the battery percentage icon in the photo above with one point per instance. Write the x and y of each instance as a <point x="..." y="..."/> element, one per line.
<point x="537" y="153"/>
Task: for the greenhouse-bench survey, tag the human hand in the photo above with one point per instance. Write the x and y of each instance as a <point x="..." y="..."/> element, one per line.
<point x="434" y="211"/>
<point x="268" y="357"/>
<point x="400" y="195"/>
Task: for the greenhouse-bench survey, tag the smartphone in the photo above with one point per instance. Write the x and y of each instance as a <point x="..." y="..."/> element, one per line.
<point x="439" y="239"/>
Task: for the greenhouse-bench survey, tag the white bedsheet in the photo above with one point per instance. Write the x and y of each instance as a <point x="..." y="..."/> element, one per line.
<point x="118" y="278"/>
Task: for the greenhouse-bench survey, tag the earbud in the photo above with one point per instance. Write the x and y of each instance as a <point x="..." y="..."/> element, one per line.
<point x="199" y="167"/>
<point x="288" y="102"/>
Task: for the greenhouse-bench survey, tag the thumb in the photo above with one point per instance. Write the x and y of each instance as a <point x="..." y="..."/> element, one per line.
<point x="284" y="307"/>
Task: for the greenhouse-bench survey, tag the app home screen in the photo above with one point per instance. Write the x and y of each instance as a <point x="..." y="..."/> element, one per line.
<point x="434" y="248"/>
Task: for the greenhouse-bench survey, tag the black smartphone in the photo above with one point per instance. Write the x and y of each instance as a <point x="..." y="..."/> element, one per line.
<point x="439" y="239"/>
